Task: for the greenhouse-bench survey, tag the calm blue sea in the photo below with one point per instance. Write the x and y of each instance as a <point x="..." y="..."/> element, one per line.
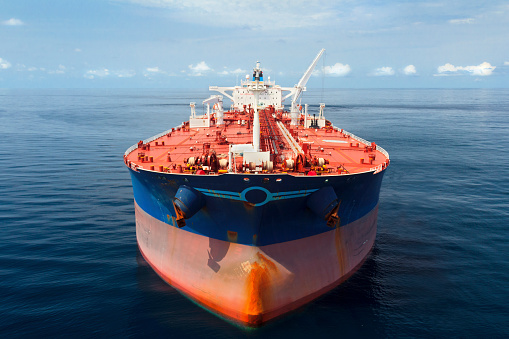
<point x="69" y="263"/>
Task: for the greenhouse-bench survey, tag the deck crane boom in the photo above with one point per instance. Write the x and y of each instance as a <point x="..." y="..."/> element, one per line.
<point x="300" y="87"/>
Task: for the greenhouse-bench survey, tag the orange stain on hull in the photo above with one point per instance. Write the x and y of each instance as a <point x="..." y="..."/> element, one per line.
<point x="258" y="288"/>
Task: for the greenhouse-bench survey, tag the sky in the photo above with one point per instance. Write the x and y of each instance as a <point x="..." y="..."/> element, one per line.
<point x="197" y="43"/>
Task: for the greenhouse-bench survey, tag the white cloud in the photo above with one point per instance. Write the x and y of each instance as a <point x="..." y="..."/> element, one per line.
<point x="383" y="71"/>
<point x="410" y="70"/>
<point x="93" y="73"/>
<point x="13" y="22"/>
<point x="506" y="63"/>
<point x="149" y="72"/>
<point x="125" y="73"/>
<point x="60" y="70"/>
<point x="337" y="70"/>
<point x="199" y="68"/>
<point x="153" y="70"/>
<point x="237" y="71"/>
<point x="447" y="68"/>
<point x="483" y="69"/>
<point x="461" y="21"/>
<point x="4" y="64"/>
<point x="77" y="50"/>
<point x="225" y="13"/>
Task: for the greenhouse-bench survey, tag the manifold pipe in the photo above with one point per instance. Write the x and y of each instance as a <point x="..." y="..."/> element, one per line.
<point x="256" y="124"/>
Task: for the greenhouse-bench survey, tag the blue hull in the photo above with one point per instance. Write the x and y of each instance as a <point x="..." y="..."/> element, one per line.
<point x="256" y="210"/>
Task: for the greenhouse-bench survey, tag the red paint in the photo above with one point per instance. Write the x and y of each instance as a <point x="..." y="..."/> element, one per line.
<point x="250" y="285"/>
<point x="338" y="149"/>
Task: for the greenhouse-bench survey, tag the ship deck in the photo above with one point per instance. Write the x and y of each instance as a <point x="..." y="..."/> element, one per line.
<point x="204" y="150"/>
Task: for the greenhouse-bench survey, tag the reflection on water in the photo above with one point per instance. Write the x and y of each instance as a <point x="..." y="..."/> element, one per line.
<point x="68" y="263"/>
<point x="354" y="300"/>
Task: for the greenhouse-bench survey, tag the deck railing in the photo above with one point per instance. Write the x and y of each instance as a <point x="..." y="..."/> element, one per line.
<point x="146" y="141"/>
<point x="365" y="142"/>
<point x="383" y="151"/>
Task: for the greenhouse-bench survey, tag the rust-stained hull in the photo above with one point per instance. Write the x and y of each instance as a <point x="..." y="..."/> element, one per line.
<point x="255" y="210"/>
<point x="254" y="284"/>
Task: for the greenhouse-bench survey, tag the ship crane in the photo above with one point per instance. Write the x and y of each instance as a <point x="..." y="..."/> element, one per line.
<point x="217" y="102"/>
<point x="299" y="88"/>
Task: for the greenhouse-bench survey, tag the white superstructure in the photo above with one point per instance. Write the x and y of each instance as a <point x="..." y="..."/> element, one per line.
<point x="256" y="93"/>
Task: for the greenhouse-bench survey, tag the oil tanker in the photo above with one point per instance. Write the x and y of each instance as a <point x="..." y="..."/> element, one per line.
<point x="256" y="209"/>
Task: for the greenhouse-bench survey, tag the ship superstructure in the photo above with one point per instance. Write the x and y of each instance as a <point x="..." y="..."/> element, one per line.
<point x="256" y="209"/>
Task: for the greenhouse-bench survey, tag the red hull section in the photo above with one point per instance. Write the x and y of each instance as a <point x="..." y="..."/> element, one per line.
<point x="256" y="209"/>
<point x="250" y="284"/>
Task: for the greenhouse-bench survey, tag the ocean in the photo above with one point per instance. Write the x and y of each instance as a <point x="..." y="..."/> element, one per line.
<point x="69" y="263"/>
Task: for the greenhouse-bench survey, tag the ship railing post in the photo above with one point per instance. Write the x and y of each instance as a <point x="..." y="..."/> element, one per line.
<point x="230" y="158"/>
<point x="305" y="115"/>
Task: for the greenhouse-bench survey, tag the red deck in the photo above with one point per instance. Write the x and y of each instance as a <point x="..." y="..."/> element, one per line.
<point x="324" y="151"/>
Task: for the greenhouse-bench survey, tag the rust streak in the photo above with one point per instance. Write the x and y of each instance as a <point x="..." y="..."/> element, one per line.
<point x="258" y="287"/>
<point x="340" y="251"/>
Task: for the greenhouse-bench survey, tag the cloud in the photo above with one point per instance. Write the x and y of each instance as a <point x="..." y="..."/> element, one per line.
<point x="383" y="71"/>
<point x="104" y="72"/>
<point x="125" y="73"/>
<point x="199" y="68"/>
<point x="410" y="70"/>
<point x="483" y="69"/>
<point x="462" y="21"/>
<point x="13" y="22"/>
<point x="506" y="63"/>
<point x="225" y="13"/>
<point x="149" y="72"/>
<point x="153" y="70"/>
<point x="237" y="71"/>
<point x="4" y="64"/>
<point x="23" y="68"/>
<point x="337" y="70"/>
<point x="93" y="73"/>
<point x="60" y="70"/>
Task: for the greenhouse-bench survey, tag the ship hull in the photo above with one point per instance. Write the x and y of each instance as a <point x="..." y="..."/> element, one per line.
<point x="251" y="275"/>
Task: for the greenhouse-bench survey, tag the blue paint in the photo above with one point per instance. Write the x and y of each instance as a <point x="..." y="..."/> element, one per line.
<point x="283" y="214"/>
<point x="269" y="196"/>
<point x="188" y="200"/>
<point x="69" y="264"/>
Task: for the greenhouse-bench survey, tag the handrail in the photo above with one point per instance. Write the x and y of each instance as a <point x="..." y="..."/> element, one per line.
<point x="383" y="151"/>
<point x="353" y="136"/>
<point x="146" y="141"/>
<point x="367" y="143"/>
